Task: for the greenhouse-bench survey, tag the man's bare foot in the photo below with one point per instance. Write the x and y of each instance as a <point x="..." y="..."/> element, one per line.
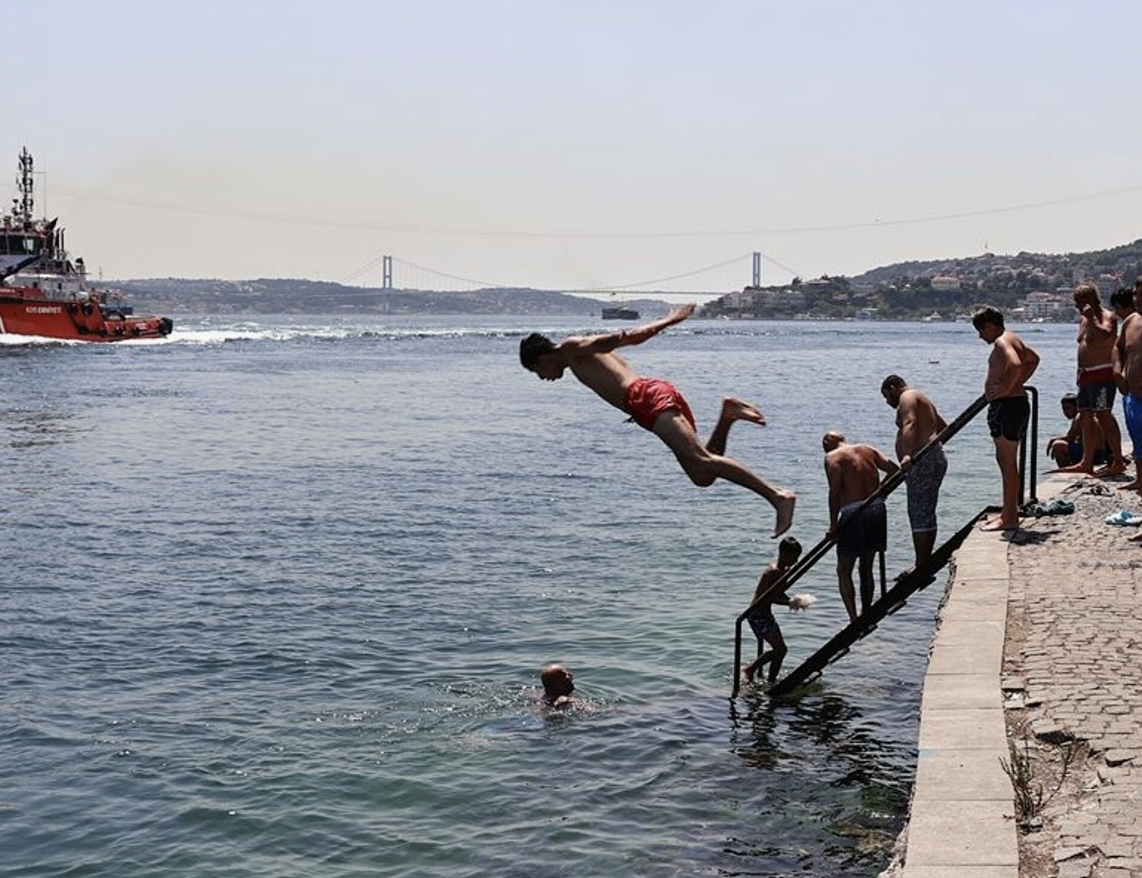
<point x="1137" y="538"/>
<point x="747" y="672"/>
<point x="1132" y="486"/>
<point x="1113" y="469"/>
<point x="1076" y="468"/>
<point x="998" y="523"/>
<point x="784" y="506"/>
<point x="736" y="410"/>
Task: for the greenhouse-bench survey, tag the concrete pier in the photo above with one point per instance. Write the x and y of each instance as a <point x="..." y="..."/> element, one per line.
<point x="1038" y="644"/>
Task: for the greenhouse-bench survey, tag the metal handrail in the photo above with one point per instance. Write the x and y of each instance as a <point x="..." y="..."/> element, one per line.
<point x="890" y="484"/>
<point x="1033" y="393"/>
<point x="867" y="622"/>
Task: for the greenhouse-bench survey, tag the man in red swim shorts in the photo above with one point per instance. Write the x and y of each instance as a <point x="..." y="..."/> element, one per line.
<point x="1098" y="332"/>
<point x="656" y="405"/>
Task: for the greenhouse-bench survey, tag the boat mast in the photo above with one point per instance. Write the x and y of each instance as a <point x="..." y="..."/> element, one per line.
<point x="24" y="205"/>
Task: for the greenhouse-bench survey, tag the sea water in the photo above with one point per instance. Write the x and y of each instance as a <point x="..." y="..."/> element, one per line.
<point x="276" y="593"/>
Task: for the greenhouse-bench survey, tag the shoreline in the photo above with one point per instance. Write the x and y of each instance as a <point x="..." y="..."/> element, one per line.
<point x="1028" y="731"/>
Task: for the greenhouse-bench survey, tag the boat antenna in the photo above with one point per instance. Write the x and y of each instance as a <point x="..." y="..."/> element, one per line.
<point x="25" y="207"/>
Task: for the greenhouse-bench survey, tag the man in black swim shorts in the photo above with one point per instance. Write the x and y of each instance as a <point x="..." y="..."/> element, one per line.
<point x="1007" y="417"/>
<point x="860" y="530"/>
<point x="1009" y="366"/>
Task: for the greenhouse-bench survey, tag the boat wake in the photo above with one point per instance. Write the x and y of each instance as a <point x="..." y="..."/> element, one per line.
<point x="239" y="332"/>
<point x="211" y="331"/>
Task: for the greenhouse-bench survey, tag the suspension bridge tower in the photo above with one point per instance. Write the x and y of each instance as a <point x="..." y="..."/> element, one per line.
<point x="386" y="273"/>
<point x="756" y="269"/>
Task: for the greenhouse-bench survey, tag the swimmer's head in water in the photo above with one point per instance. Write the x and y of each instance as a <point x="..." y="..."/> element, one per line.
<point x="557" y="681"/>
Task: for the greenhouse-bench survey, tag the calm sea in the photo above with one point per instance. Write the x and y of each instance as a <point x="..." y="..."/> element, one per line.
<point x="276" y="594"/>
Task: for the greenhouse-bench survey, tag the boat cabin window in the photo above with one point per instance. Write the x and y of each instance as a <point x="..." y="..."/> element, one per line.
<point x="20" y="245"/>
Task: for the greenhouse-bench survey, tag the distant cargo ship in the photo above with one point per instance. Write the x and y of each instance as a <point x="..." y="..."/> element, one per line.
<point x="619" y="313"/>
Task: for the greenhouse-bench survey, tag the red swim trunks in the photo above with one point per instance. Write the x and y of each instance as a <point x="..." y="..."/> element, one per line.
<point x="647" y="398"/>
<point x="1096" y="375"/>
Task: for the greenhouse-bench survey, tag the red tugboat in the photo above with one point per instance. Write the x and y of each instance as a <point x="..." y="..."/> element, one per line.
<point x="44" y="293"/>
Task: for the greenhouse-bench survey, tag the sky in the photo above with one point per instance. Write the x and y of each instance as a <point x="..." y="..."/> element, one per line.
<point x="590" y="145"/>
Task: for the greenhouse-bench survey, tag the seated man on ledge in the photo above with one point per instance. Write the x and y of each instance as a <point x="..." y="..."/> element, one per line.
<point x="1067" y="448"/>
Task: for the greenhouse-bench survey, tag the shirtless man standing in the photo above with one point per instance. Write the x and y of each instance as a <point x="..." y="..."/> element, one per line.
<point x="656" y="405"/>
<point x="917" y="424"/>
<point x="853" y="476"/>
<point x="1097" y="329"/>
<point x="1122" y="303"/>
<point x="1128" y="377"/>
<point x="1009" y="367"/>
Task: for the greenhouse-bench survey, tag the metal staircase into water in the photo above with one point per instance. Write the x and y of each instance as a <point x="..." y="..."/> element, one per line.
<point x="906" y="585"/>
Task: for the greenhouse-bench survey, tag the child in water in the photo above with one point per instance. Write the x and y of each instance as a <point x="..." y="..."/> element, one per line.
<point x="762" y="621"/>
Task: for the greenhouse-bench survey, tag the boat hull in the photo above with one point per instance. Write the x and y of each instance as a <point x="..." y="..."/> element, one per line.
<point x="23" y="312"/>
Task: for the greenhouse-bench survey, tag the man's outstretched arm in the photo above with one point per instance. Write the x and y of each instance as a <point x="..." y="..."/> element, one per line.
<point x="648" y="330"/>
<point x="603" y="344"/>
<point x="883" y="463"/>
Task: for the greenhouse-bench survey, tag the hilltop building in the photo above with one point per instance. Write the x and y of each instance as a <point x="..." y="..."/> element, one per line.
<point x="1050" y="306"/>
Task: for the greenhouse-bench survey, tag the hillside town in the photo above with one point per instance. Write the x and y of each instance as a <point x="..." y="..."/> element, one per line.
<point x="1029" y="286"/>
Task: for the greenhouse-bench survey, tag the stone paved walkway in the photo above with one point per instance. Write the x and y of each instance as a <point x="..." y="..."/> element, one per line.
<point x="1075" y="602"/>
<point x="1039" y="643"/>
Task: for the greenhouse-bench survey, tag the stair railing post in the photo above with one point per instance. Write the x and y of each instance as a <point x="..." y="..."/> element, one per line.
<point x="1033" y="393"/>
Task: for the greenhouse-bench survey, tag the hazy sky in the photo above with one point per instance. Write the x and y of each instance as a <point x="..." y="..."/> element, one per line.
<point x="576" y="144"/>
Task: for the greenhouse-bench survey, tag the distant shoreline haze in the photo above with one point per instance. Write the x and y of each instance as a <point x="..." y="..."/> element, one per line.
<point x="906" y="290"/>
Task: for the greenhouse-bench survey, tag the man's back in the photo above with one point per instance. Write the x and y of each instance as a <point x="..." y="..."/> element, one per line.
<point x="1010" y="364"/>
<point x="853" y="472"/>
<point x="1097" y="330"/>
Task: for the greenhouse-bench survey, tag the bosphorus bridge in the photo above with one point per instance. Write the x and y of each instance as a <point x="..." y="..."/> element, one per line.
<point x="716" y="279"/>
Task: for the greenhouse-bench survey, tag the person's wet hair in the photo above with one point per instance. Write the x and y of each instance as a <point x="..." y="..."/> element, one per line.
<point x="789" y="548"/>
<point x="892" y="381"/>
<point x="533" y="347"/>
<point x="557" y="682"/>
<point x="1123" y="297"/>
<point x="987" y="315"/>
<point x="1088" y="291"/>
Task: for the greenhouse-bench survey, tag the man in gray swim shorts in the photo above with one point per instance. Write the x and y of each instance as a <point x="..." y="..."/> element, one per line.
<point x="917" y="424"/>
